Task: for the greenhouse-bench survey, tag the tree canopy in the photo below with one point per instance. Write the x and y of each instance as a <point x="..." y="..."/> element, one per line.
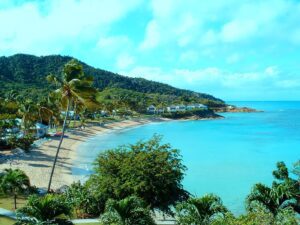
<point x="148" y="169"/>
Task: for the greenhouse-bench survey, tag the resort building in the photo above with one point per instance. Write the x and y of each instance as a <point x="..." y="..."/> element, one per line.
<point x="190" y="107"/>
<point x="175" y="108"/>
<point x="151" y="109"/>
<point x="200" y="106"/>
<point x="41" y="130"/>
<point x="181" y="108"/>
<point x="172" y="108"/>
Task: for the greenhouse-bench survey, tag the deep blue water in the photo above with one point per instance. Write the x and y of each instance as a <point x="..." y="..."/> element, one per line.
<point x="225" y="156"/>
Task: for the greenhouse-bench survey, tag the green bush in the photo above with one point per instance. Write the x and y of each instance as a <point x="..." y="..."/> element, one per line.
<point x="24" y="142"/>
<point x="149" y="170"/>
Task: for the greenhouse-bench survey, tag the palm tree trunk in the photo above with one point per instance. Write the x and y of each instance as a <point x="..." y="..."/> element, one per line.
<point x="15" y="200"/>
<point x="59" y="145"/>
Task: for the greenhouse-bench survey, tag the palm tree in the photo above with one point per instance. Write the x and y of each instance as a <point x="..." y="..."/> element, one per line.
<point x="129" y="211"/>
<point x="73" y="87"/>
<point x="14" y="182"/>
<point x="28" y="113"/>
<point x="200" y="210"/>
<point x="48" y="209"/>
<point x="284" y="192"/>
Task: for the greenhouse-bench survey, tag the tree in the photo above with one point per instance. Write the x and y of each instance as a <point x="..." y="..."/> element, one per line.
<point x="49" y="209"/>
<point x="29" y="114"/>
<point x="82" y="201"/>
<point x="148" y="169"/>
<point x="128" y="211"/>
<point x="200" y="210"/>
<point x="259" y="216"/>
<point x="74" y="87"/>
<point x="284" y="192"/>
<point x="14" y="182"/>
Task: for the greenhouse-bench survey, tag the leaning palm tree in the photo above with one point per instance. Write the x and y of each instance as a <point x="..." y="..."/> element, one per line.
<point x="200" y="210"/>
<point x="49" y="209"/>
<point x="14" y="182"/>
<point x="128" y="211"/>
<point x="73" y="87"/>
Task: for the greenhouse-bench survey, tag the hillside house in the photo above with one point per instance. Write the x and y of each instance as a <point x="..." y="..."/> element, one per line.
<point x="172" y="108"/>
<point x="181" y="108"/>
<point x="190" y="107"/>
<point x="200" y="106"/>
<point x="151" y="109"/>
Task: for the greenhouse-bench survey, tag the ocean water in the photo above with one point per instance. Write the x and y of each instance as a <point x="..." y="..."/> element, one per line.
<point x="225" y="156"/>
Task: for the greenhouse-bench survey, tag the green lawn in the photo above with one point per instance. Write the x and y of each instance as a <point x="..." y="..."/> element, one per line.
<point x="8" y="203"/>
<point x="6" y="221"/>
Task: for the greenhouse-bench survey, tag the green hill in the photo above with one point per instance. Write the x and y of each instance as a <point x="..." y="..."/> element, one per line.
<point x="26" y="74"/>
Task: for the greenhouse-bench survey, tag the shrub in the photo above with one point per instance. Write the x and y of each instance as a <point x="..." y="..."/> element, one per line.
<point x="149" y="170"/>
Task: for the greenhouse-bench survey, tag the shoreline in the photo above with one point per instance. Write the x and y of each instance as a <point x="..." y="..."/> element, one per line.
<point x="38" y="162"/>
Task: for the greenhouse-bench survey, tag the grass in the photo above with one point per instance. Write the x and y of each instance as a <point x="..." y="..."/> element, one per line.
<point x="6" y="221"/>
<point x="8" y="203"/>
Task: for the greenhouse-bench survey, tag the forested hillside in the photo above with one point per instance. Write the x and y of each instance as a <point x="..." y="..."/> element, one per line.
<point x="26" y="75"/>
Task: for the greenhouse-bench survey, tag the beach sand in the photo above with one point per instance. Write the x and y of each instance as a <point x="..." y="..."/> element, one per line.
<point x="38" y="162"/>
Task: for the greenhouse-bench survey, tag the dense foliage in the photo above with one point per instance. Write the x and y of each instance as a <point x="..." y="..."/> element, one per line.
<point x="197" y="113"/>
<point x="83" y="202"/>
<point x="148" y="169"/>
<point x="48" y="209"/>
<point x="284" y="192"/>
<point x="14" y="182"/>
<point x="26" y="75"/>
<point x="129" y="211"/>
<point x="200" y="210"/>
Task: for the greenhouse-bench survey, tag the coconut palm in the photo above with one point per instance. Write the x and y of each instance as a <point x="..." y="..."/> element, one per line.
<point x="284" y="192"/>
<point x="28" y="112"/>
<point x="14" y="182"/>
<point x="129" y="211"/>
<point x="49" y="209"/>
<point x="200" y="210"/>
<point x="73" y="87"/>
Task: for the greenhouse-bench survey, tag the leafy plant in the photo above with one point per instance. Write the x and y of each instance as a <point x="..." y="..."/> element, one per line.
<point x="148" y="169"/>
<point x="129" y="211"/>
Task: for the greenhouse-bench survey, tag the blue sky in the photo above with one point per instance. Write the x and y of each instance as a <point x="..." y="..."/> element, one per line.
<point x="233" y="49"/>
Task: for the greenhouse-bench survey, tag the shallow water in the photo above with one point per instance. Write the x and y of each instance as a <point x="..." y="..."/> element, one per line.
<point x="226" y="156"/>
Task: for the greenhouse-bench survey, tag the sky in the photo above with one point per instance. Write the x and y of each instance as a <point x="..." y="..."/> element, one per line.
<point x="233" y="49"/>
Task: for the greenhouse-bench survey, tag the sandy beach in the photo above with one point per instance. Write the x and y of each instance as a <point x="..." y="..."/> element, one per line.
<point x="38" y="162"/>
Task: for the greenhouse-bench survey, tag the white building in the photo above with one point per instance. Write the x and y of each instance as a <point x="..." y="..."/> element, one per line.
<point x="181" y="108"/>
<point x="151" y="109"/>
<point x="171" y="108"/>
<point x="41" y="130"/>
<point x="190" y="107"/>
<point x="200" y="106"/>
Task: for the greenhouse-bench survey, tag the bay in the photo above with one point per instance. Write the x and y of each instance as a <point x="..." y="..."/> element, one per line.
<point x="225" y="156"/>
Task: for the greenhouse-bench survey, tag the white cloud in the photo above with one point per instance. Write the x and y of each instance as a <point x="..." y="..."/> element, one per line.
<point x="152" y="36"/>
<point x="288" y="84"/>
<point x="124" y="60"/>
<point x="211" y="76"/>
<point x="64" y="23"/>
<point x="189" y="56"/>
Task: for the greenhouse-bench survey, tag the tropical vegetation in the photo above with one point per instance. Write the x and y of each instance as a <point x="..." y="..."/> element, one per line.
<point x="148" y="169"/>
<point x="133" y="183"/>
<point x="14" y="182"/>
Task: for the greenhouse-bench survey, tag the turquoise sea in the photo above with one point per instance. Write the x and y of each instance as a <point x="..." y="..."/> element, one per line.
<point x="225" y="156"/>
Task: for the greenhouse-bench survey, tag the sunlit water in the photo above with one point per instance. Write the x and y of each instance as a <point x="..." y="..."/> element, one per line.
<point x="225" y="156"/>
